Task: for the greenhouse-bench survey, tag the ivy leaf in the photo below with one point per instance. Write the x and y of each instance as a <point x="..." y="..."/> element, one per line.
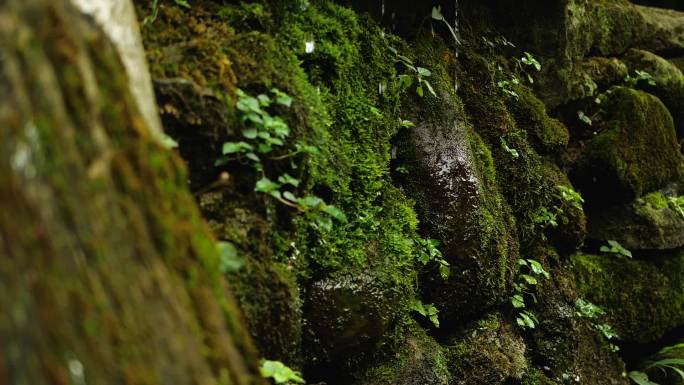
<point x="266" y="185"/>
<point x="310" y="202"/>
<point x="517" y="301"/>
<point x="234" y="147"/>
<point x="250" y="133"/>
<point x="423" y="71"/>
<point x="288" y="179"/>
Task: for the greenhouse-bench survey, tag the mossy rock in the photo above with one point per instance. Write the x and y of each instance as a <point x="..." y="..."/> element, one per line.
<point x="562" y="33"/>
<point x="452" y="179"/>
<point x="547" y="135"/>
<point x="489" y="351"/>
<point x="518" y="167"/>
<point x="568" y="347"/>
<point x="643" y="299"/>
<point x="636" y="153"/>
<point x="348" y="314"/>
<point x="418" y="359"/>
<point x="669" y="81"/>
<point x="652" y="222"/>
<point x="605" y="72"/>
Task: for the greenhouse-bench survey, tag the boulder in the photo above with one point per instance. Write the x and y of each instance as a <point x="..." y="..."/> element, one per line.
<point x="453" y="182"/>
<point x="654" y="221"/>
<point x="490" y="351"/>
<point x="419" y="359"/>
<point x="669" y="82"/>
<point x="347" y="314"/>
<point x="635" y="153"/>
<point x="643" y="299"/>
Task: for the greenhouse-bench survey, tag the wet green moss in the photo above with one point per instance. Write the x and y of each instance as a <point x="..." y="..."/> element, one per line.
<point x="488" y="352"/>
<point x="636" y="153"/>
<point x="547" y="135"/>
<point x="644" y="298"/>
<point x="418" y="359"/>
<point x="515" y="160"/>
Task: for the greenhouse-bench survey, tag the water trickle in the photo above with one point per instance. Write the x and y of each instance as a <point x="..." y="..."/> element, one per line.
<point x="457" y="42"/>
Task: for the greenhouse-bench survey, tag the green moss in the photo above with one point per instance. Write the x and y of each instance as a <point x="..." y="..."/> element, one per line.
<point x="489" y="352"/>
<point x="536" y="377"/>
<point x="669" y="81"/>
<point x="547" y="135"/>
<point x="644" y="298"/>
<point x="636" y="153"/>
<point x="486" y="106"/>
<point x="418" y="360"/>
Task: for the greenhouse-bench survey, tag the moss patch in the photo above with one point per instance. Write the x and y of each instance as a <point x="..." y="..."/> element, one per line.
<point x="644" y="299"/>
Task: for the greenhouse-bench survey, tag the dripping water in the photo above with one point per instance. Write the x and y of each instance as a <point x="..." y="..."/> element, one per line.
<point x="457" y="42"/>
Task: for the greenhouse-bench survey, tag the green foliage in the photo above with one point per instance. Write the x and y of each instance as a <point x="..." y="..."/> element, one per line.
<point x="428" y="252"/>
<point x="263" y="134"/>
<point x="615" y="247"/>
<point x="507" y="86"/>
<point x="168" y="141"/>
<point x="529" y="272"/>
<point x="514" y="153"/>
<point x="586" y="309"/>
<point x="437" y="15"/>
<point x="570" y="196"/>
<point x="546" y="218"/>
<point x="429" y="311"/>
<point x="584" y="118"/>
<point x="665" y="365"/>
<point x="526" y="62"/>
<point x="280" y="373"/>
<point x="640" y="76"/>
<point x="677" y="204"/>
<point x="419" y="73"/>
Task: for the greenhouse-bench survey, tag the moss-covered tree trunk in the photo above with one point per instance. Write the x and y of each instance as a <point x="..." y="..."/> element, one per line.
<point x="107" y="273"/>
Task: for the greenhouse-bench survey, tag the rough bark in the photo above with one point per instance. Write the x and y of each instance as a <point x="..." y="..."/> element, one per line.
<point x="107" y="274"/>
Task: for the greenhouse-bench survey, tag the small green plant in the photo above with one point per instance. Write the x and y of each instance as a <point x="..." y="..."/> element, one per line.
<point x="584" y="118"/>
<point x="614" y="247"/>
<point x="570" y="196"/>
<point x="428" y="252"/>
<point x="546" y="218"/>
<point x="665" y="365"/>
<point x="420" y="75"/>
<point x="429" y="311"/>
<point x="529" y="272"/>
<point x="640" y="76"/>
<point x="514" y="153"/>
<point x="280" y="373"/>
<point x="586" y="309"/>
<point x="263" y="133"/>
<point x="437" y="15"/>
<point x="507" y="86"/>
<point x="526" y="62"/>
<point x="677" y="204"/>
